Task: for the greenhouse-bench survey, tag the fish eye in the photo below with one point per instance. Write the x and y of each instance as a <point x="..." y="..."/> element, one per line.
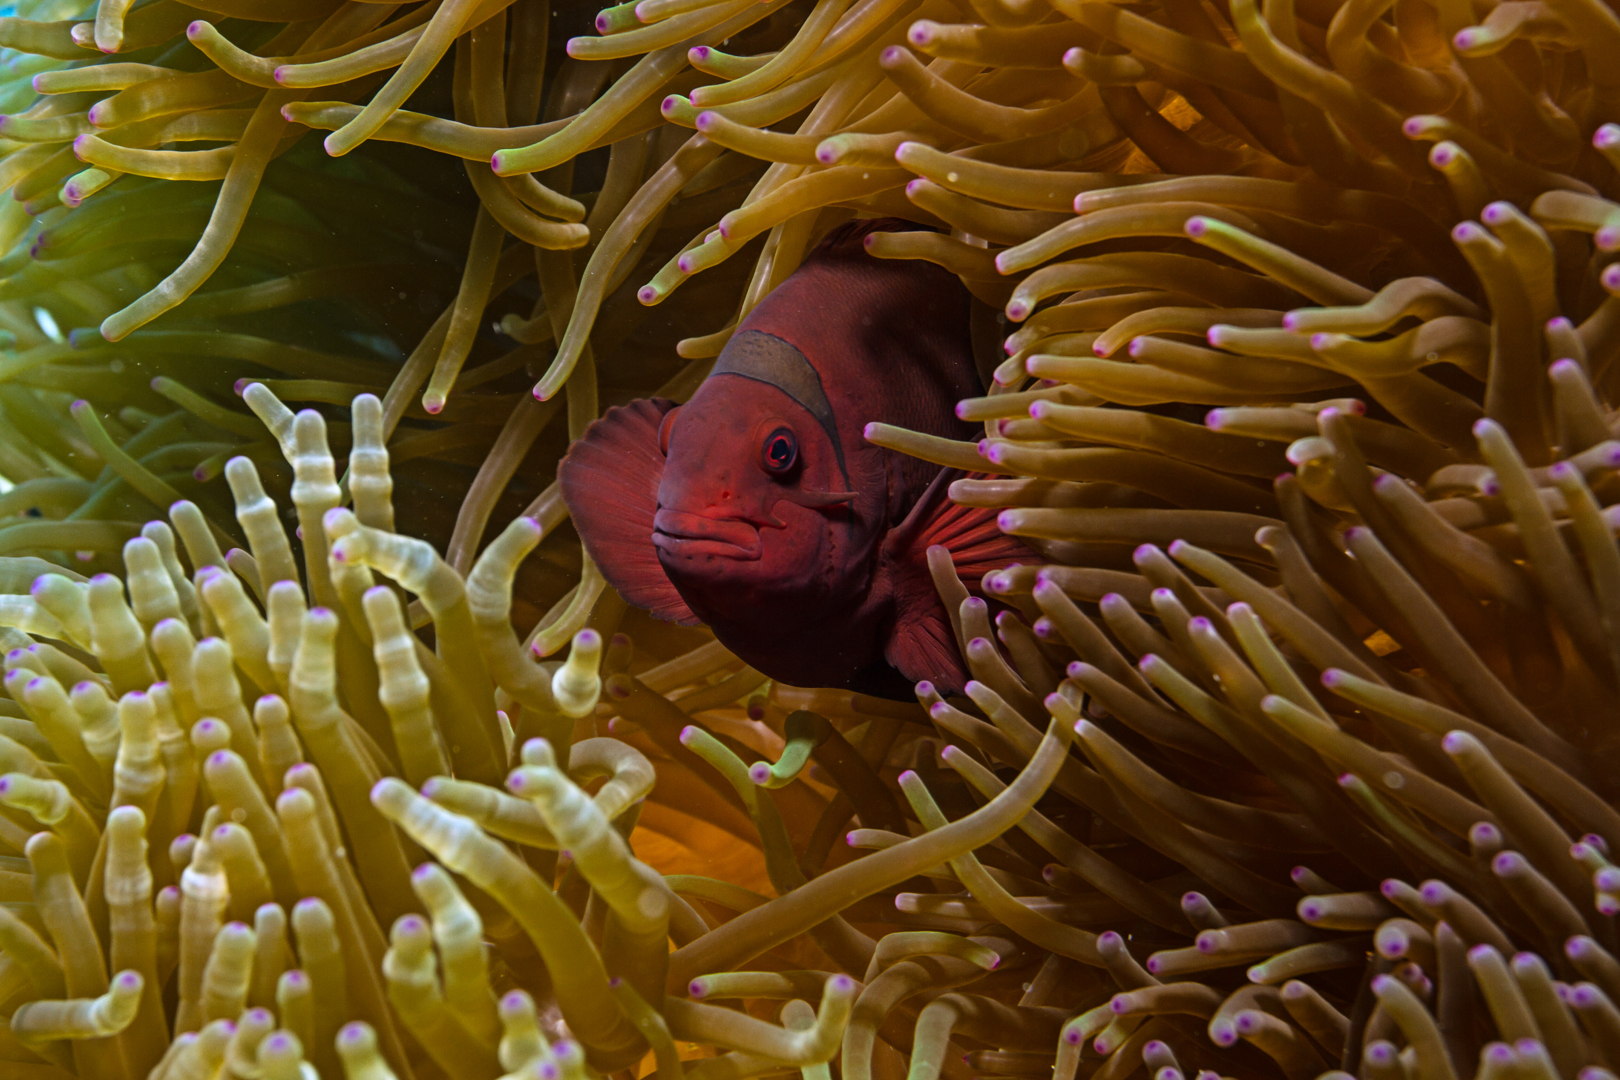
<point x="780" y="452"/>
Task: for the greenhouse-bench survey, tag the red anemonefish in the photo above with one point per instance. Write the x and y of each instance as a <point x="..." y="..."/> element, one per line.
<point x="759" y="508"/>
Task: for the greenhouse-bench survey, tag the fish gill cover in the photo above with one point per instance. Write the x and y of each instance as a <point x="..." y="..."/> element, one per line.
<point x="1296" y="755"/>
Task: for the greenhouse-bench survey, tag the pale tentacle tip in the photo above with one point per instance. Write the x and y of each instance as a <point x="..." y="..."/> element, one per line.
<point x="388" y="789"/>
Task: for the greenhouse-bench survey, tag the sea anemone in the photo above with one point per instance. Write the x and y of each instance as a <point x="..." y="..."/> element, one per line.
<point x="1434" y="820"/>
<point x="1356" y="717"/>
<point x="1443" y="834"/>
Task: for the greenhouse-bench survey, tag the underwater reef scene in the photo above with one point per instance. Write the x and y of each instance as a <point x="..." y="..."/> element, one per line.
<point x="325" y="751"/>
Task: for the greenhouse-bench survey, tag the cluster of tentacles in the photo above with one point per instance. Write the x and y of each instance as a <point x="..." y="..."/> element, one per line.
<point x="1109" y="895"/>
<point x="153" y="156"/>
<point x="217" y="859"/>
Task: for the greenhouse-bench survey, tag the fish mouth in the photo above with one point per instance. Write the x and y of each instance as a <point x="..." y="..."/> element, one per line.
<point x="691" y="535"/>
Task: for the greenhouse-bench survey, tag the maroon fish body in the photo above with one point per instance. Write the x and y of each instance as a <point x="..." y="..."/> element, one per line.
<point x="759" y="508"/>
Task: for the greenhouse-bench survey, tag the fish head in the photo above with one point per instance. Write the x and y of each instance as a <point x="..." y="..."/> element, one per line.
<point x="753" y="506"/>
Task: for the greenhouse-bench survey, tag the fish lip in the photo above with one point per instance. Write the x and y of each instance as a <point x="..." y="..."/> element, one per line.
<point x="683" y="534"/>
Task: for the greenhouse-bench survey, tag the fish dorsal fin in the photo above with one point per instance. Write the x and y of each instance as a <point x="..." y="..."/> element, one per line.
<point x="923" y="643"/>
<point x="610" y="482"/>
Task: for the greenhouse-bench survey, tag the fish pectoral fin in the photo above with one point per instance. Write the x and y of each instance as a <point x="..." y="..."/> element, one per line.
<point x="923" y="644"/>
<point x="970" y="533"/>
<point x="610" y="480"/>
